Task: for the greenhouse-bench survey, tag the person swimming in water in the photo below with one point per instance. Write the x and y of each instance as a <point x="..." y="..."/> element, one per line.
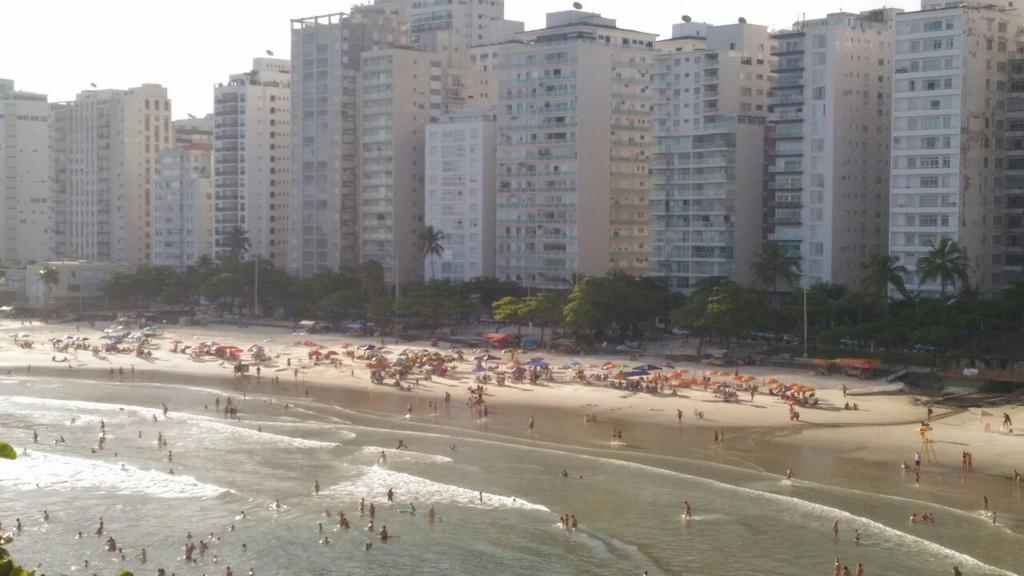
<point x="687" y="511"/>
<point x="383" y="534"/>
<point x="316" y="487"/>
<point x="391" y="494"/>
<point x="431" y="514"/>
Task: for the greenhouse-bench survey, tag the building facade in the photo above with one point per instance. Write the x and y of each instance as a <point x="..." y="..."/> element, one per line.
<point x="399" y="94"/>
<point x="114" y="139"/>
<point x="949" y="94"/>
<point x="324" y="204"/>
<point x="829" y="144"/>
<point x="461" y="177"/>
<point x="573" y="152"/>
<point x="252" y="160"/>
<point x="711" y="88"/>
<point x="182" y="208"/>
<point x="26" y="203"/>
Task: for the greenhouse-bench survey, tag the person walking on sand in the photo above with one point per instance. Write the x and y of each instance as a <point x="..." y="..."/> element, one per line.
<point x="984" y="503"/>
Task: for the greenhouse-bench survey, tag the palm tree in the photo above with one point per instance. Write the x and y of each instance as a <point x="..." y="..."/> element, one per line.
<point x="49" y="276"/>
<point x="430" y="245"/>
<point x="880" y="272"/>
<point x="773" y="264"/>
<point x="945" y="262"/>
<point x="238" y="243"/>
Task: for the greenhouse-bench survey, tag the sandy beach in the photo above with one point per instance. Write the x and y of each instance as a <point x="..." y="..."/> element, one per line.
<point x="871" y="440"/>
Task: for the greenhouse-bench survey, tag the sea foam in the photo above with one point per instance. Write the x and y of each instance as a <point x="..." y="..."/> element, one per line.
<point x="408" y="488"/>
<point x="41" y="470"/>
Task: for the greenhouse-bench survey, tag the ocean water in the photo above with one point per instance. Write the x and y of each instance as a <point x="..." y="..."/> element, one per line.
<point x="498" y="501"/>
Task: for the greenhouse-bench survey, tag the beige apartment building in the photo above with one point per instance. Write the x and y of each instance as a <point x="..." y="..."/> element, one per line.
<point x="113" y="141"/>
<point x="253" y="161"/>
<point x="399" y="94"/>
<point x="829" y="147"/>
<point x="574" y="148"/>
<point x="26" y="202"/>
<point x="711" y="87"/>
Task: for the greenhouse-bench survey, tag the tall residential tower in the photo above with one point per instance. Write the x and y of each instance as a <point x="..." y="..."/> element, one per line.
<point x="573" y="151"/>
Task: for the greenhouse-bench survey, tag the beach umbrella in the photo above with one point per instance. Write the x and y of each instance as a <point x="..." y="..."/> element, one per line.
<point x="647" y="367"/>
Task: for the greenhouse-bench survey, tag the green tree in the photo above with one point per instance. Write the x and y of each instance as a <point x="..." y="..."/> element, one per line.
<point x="718" y="308"/>
<point x="238" y="243"/>
<point x="371" y="275"/>
<point x="487" y="291"/>
<point x="50" y="277"/>
<point x="221" y="289"/>
<point x="774" y="265"/>
<point x="945" y="262"/>
<point x="430" y="246"/>
<point x="618" y="305"/>
<point x="510" y="310"/>
<point x="880" y="272"/>
<point x="435" y="304"/>
<point x="545" y="310"/>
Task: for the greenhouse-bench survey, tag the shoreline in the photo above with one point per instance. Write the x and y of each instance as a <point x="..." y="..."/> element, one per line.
<point x="857" y="450"/>
<point x="751" y="451"/>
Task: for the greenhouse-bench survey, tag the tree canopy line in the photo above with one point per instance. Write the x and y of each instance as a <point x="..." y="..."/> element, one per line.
<point x="616" y="308"/>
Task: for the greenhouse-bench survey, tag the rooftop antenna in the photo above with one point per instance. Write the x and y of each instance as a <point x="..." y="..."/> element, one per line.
<point x="93" y="84"/>
<point x="577" y="5"/>
<point x="270" y="52"/>
<point x="687" y="19"/>
<point x="742" y="20"/>
<point x="193" y="116"/>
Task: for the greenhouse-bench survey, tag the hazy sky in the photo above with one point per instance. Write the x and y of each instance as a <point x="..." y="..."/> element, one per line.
<point x="59" y="47"/>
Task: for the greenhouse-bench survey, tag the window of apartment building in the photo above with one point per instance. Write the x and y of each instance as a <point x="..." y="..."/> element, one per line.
<point x="928" y="182"/>
<point x="928" y="220"/>
<point x="819" y="41"/>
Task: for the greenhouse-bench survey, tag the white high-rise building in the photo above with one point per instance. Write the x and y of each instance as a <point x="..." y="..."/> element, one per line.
<point x="113" y="141"/>
<point x="182" y="207"/>
<point x="949" y="93"/>
<point x="460" y="194"/>
<point x="711" y="101"/>
<point x="326" y="56"/>
<point x="26" y="205"/>
<point x="828" y="183"/>
<point x="252" y="160"/>
<point x="573" y="151"/>
<point x="399" y="94"/>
